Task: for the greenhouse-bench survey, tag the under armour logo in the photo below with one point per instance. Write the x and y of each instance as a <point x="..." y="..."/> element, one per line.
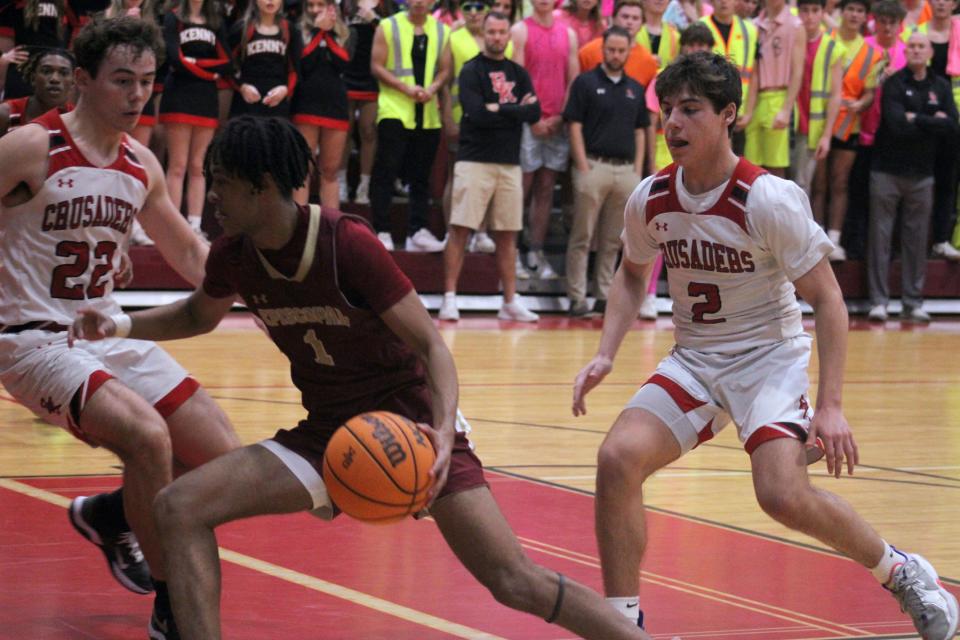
<point x="68" y="183"/>
<point x="661" y="227"/>
<point x="48" y="406"/>
<point x="259" y="298"/>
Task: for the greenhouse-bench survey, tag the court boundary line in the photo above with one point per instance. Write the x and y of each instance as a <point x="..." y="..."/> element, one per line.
<point x="295" y="577"/>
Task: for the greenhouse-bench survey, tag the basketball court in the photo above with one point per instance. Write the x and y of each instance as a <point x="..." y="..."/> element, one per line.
<point x="716" y="569"/>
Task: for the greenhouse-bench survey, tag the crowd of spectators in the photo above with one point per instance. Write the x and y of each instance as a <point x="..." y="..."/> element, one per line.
<point x="854" y="101"/>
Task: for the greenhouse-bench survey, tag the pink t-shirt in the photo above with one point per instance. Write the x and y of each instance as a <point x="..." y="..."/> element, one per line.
<point x="586" y="30"/>
<point x="896" y="59"/>
<point x="777" y="36"/>
<point x="545" y="59"/>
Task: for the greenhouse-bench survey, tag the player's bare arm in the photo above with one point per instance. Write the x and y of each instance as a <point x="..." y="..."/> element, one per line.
<point x="819" y="288"/>
<point x="411" y="322"/>
<point x="179" y="245"/>
<point x="23" y="164"/>
<point x="627" y="292"/>
<point x="192" y="316"/>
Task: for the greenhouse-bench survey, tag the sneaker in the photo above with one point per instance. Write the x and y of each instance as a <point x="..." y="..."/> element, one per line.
<point x="522" y="272"/>
<point x="581" y="309"/>
<point x="482" y="243"/>
<point x="139" y="237"/>
<point x="363" y="193"/>
<point x="386" y="240"/>
<point x="425" y="242"/>
<point x="162" y="625"/>
<point x="539" y="265"/>
<point x="515" y="311"/>
<point x="945" y="250"/>
<point x="914" y="314"/>
<point x="448" y="308"/>
<point x="344" y="191"/>
<point x="917" y="588"/>
<point x="648" y="308"/>
<point x="878" y="313"/>
<point x="121" y="550"/>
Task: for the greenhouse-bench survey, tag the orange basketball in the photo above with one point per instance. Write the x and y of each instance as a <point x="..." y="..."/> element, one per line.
<point x="376" y="467"/>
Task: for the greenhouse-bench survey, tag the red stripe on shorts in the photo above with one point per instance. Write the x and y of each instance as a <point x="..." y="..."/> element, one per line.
<point x="678" y="394"/>
<point x="320" y="121"/>
<point x="169" y="403"/>
<point x="79" y="402"/>
<point x="705" y="434"/>
<point x="765" y="434"/>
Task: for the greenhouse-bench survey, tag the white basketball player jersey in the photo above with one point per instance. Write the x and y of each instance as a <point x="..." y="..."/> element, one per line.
<point x="60" y="248"/>
<point x="731" y="254"/>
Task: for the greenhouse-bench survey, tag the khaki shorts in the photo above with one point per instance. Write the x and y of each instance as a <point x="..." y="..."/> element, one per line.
<point x="479" y="184"/>
<point x="763" y="391"/>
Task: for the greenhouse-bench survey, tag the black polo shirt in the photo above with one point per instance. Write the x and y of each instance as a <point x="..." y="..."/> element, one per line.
<point x="609" y="111"/>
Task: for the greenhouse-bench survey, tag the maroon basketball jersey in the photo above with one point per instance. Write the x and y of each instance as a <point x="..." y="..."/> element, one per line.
<point x="343" y="357"/>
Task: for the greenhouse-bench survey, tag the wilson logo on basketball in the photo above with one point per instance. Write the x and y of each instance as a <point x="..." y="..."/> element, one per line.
<point x="348" y="457"/>
<point x="391" y="448"/>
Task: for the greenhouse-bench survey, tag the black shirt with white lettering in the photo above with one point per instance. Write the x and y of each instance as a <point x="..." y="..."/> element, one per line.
<point x="609" y="111"/>
<point x="487" y="136"/>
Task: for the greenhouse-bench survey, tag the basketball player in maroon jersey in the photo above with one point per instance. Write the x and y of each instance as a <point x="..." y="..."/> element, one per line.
<point x="358" y="339"/>
<point x="70" y="188"/>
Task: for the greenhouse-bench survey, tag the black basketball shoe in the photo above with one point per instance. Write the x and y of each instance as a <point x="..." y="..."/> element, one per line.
<point x="120" y="548"/>
<point x="162" y="625"/>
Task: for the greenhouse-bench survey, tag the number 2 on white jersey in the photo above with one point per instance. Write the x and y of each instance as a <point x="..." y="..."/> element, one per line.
<point x="711" y="304"/>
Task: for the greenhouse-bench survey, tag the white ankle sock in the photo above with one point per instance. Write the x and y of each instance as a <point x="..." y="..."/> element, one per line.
<point x="834" y="235"/>
<point x="891" y="560"/>
<point x="629" y="607"/>
<point x="450" y="294"/>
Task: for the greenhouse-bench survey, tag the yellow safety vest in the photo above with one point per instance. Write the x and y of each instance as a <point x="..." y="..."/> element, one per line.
<point x="669" y="43"/>
<point x="828" y="52"/>
<point x="464" y="48"/>
<point x="398" y="32"/>
<point x="742" y="48"/>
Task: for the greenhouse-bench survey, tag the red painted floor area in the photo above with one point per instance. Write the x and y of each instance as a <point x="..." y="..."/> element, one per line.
<point x="700" y="581"/>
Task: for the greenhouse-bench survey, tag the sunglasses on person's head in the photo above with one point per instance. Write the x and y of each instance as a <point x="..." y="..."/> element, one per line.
<point x="474" y="7"/>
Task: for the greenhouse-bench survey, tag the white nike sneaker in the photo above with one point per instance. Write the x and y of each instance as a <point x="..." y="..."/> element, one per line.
<point x="425" y="242"/>
<point x="933" y="609"/>
<point x="448" y="308"/>
<point x="516" y="312"/>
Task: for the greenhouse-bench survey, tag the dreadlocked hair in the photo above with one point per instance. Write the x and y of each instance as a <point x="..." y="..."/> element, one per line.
<point x="29" y="68"/>
<point x="250" y="148"/>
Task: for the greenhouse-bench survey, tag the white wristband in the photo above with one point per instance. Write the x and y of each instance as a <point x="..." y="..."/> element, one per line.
<point x="124" y="323"/>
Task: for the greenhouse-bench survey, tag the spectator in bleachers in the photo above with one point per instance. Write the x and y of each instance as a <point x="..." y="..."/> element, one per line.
<point x="583" y="16"/>
<point x="497" y="97"/>
<point x="197" y="53"/>
<point x="735" y="38"/>
<point x="862" y="64"/>
<point x="50" y="74"/>
<point x="888" y="26"/>
<point x="607" y="115"/>
<point x="319" y="104"/>
<point x="918" y="115"/>
<point x="683" y="13"/>
<point x="640" y="65"/>
<point x="945" y="169"/>
<point x="547" y="49"/>
<point x="465" y="44"/>
<point x="449" y="13"/>
<point x="779" y="73"/>
<point x="363" y="17"/>
<point x="32" y="24"/>
<point x="918" y="12"/>
<point x="660" y="38"/>
<point x="408" y="61"/>
<point x="509" y="8"/>
<point x="818" y="102"/>
<point x="267" y="50"/>
<point x="746" y="9"/>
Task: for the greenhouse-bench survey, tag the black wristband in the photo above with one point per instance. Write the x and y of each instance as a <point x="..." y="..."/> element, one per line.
<point x="556" y="607"/>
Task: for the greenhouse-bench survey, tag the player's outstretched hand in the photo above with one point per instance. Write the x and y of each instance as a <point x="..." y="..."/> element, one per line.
<point x="442" y="440"/>
<point x="831" y="427"/>
<point x="588" y="378"/>
<point x="90" y="325"/>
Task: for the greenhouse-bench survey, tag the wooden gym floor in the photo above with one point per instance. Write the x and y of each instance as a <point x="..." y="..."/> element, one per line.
<point x="716" y="569"/>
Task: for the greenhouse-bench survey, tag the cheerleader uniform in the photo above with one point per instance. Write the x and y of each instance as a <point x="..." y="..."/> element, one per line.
<point x="50" y="33"/>
<point x="190" y="89"/>
<point x="361" y="85"/>
<point x="321" y="95"/>
<point x="266" y="62"/>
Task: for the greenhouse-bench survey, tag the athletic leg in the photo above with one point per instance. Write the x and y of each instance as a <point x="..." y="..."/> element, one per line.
<point x="310" y="133"/>
<point x="478" y="534"/>
<point x="332" y="143"/>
